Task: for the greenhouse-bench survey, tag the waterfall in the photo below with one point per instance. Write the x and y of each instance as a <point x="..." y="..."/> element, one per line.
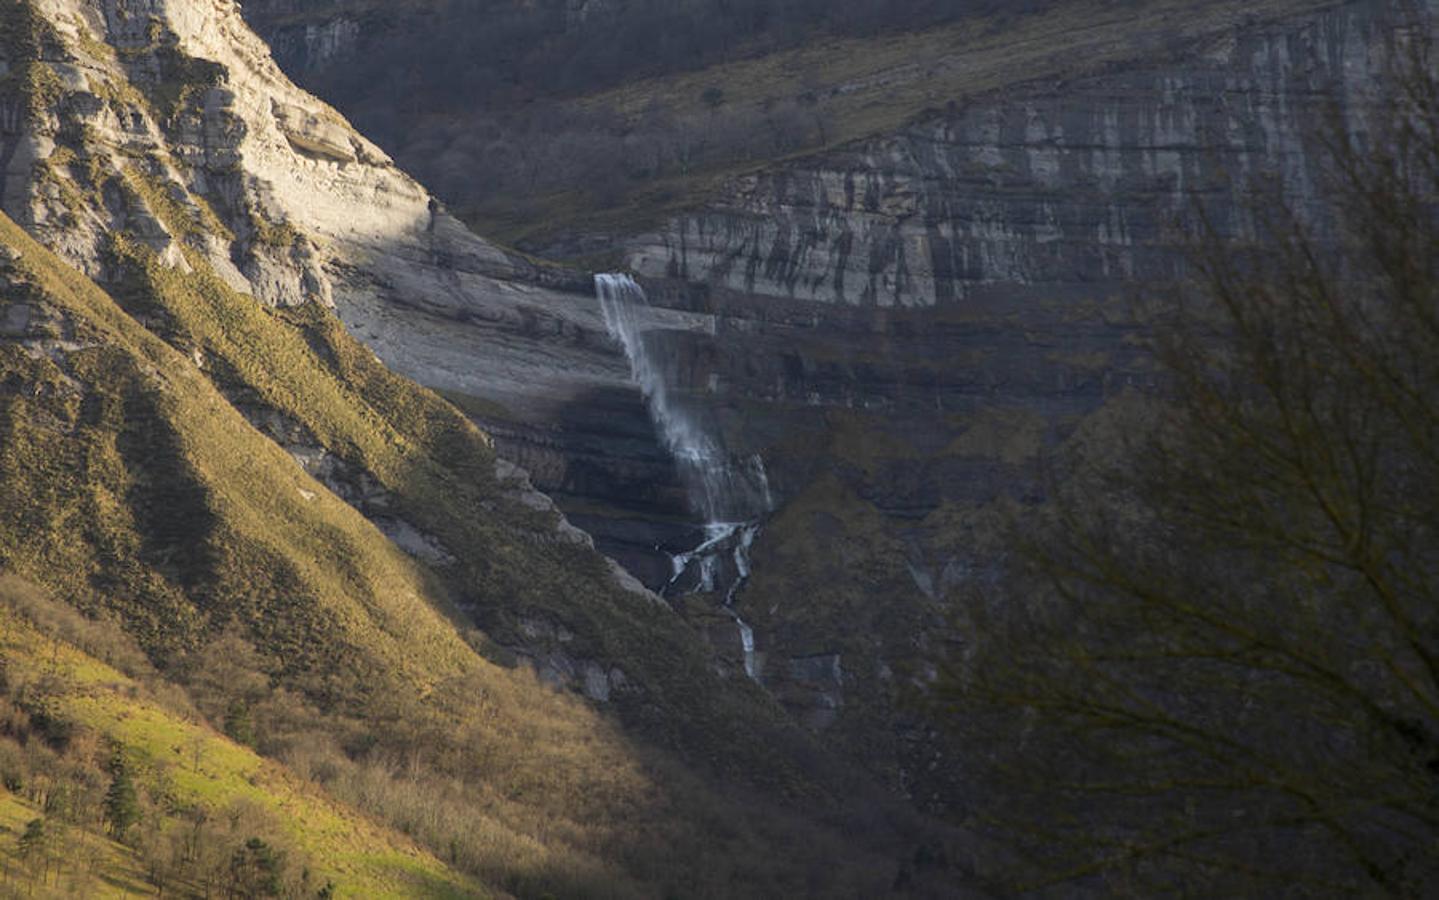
<point x="722" y="489"/>
<point x="731" y="494"/>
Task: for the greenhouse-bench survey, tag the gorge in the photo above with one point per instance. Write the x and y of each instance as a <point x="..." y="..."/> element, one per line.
<point x="905" y="325"/>
<point x="615" y="508"/>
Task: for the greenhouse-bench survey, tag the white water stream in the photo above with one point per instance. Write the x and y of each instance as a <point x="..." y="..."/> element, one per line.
<point x="731" y="494"/>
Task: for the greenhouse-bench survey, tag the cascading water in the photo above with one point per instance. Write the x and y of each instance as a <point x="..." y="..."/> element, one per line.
<point x="731" y="494"/>
<point x="722" y="488"/>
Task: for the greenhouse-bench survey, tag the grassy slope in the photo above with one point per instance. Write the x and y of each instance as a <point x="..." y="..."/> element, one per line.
<point x="156" y="457"/>
<point x="115" y="873"/>
<point x="200" y="767"/>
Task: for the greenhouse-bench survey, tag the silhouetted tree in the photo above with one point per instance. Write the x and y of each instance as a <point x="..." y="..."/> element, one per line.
<point x="1221" y="674"/>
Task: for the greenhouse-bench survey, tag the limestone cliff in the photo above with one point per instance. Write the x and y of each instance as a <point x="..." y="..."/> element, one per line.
<point x="903" y="325"/>
<point x="1058" y="182"/>
<point x="906" y="325"/>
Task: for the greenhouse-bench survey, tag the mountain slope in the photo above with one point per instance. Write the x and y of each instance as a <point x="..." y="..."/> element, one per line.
<point x="287" y="203"/>
<point x="73" y="710"/>
<point x="220" y="473"/>
<point x="911" y="258"/>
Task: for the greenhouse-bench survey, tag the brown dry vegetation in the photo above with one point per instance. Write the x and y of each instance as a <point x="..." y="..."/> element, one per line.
<point x="131" y="487"/>
<point x="111" y="787"/>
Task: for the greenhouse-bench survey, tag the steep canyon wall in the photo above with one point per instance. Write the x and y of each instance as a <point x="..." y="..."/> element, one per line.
<point x="907" y="325"/>
<point x="904" y="326"/>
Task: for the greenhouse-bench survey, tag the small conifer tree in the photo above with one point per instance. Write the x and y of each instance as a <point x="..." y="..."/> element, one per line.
<point x="122" y="804"/>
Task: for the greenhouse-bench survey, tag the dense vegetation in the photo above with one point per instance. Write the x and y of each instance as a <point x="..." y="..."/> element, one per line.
<point x="1221" y="674"/>
<point x="113" y="786"/>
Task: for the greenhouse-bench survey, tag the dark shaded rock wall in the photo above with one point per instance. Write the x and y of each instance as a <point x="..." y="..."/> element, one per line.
<point x="903" y="326"/>
<point x="907" y="325"/>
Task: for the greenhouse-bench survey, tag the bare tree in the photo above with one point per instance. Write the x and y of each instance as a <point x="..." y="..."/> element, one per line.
<point x="1221" y="674"/>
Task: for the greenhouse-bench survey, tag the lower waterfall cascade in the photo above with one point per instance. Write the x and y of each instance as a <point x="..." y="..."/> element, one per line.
<point x="731" y="493"/>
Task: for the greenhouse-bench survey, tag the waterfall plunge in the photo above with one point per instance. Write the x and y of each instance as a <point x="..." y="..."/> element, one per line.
<point x="723" y="489"/>
<point x="731" y="494"/>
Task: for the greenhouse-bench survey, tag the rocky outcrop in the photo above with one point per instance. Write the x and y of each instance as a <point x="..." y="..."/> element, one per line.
<point x="311" y="134"/>
<point x="168" y="124"/>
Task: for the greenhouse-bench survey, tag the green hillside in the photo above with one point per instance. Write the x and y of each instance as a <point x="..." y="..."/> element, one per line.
<point x="72" y="723"/>
<point x="131" y="486"/>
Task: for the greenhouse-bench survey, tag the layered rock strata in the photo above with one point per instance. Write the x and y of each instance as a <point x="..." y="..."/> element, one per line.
<point x="907" y="325"/>
<point x="903" y="326"/>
